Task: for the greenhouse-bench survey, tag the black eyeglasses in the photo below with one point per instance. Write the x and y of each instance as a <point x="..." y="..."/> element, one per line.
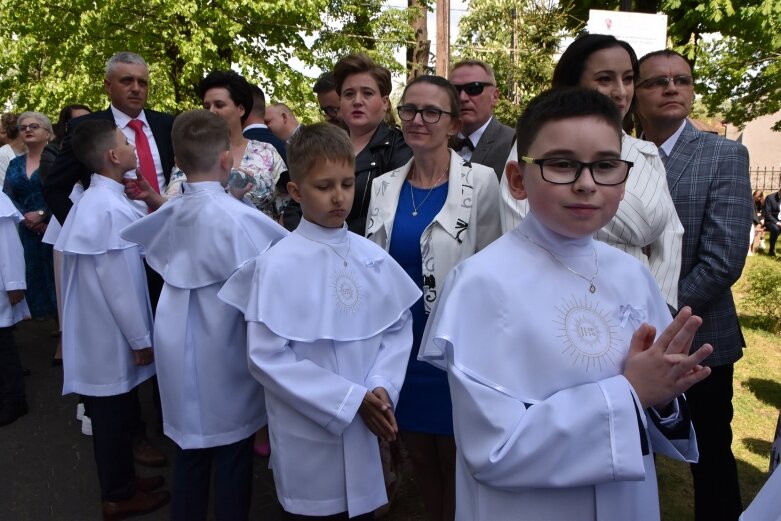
<point x="31" y="126"/>
<point x="662" y="82"/>
<point x="428" y="114"/>
<point x="473" y="88"/>
<point x="330" y="111"/>
<point x="565" y="171"/>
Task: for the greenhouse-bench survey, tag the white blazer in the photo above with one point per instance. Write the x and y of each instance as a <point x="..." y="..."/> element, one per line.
<point x="467" y="223"/>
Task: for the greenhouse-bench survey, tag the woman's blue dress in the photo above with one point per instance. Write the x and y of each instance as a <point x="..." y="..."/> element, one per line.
<point x="27" y="195"/>
<point x="424" y="402"/>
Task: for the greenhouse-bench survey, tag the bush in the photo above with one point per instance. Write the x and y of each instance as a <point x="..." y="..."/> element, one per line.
<point x="764" y="291"/>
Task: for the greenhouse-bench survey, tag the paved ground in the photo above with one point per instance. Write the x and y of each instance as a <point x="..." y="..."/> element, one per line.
<point x="47" y="470"/>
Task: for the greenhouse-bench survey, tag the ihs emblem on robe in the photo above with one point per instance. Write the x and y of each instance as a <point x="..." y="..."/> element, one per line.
<point x="346" y="291"/>
<point x="587" y="333"/>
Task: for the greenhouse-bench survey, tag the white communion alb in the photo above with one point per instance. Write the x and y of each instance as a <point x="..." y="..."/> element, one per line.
<point x="196" y="241"/>
<point x="343" y="328"/>
<point x="546" y="425"/>
<point x="106" y="310"/>
<point x="12" y="267"/>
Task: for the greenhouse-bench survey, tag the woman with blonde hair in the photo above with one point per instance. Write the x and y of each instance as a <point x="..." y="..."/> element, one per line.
<point x="23" y="186"/>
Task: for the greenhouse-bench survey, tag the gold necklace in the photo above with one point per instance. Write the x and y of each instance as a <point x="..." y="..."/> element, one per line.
<point x="592" y="287"/>
<point x="415" y="207"/>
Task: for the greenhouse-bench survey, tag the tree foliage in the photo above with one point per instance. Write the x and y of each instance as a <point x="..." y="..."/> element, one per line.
<point x="53" y="53"/>
<point x="523" y="71"/>
<point x="734" y="46"/>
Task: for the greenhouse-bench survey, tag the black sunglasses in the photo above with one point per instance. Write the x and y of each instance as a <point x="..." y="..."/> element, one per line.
<point x="473" y="88"/>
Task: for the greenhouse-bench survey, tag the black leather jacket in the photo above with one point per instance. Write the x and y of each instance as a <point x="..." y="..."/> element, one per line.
<point x="385" y="152"/>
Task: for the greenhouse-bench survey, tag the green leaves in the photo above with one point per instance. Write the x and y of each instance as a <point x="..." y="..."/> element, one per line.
<point x="486" y="33"/>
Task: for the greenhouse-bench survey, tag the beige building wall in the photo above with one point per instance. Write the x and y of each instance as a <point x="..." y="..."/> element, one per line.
<point x="764" y="148"/>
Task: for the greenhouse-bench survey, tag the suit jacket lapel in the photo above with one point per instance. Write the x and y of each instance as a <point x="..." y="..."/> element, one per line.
<point x="486" y="140"/>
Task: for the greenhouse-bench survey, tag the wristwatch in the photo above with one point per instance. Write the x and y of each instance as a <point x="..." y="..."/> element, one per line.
<point x="41" y="213"/>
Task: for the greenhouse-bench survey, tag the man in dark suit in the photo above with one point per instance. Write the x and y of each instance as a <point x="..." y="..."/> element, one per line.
<point x="255" y="127"/>
<point x="709" y="182"/>
<point x="127" y="84"/>
<point x="772" y="223"/>
<point x="482" y="139"/>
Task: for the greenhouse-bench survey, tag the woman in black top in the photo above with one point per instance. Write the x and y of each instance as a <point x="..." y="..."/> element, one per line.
<point x="364" y="87"/>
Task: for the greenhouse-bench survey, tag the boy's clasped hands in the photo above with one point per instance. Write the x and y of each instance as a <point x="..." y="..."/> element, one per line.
<point x="377" y="413"/>
<point x="663" y="369"/>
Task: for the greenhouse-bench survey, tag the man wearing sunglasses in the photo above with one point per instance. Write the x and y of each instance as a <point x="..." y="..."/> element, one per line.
<point x="482" y="139"/>
<point x="709" y="184"/>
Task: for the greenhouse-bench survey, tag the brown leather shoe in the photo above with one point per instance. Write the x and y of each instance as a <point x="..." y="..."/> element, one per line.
<point x="146" y="454"/>
<point x="149" y="483"/>
<point x="141" y="503"/>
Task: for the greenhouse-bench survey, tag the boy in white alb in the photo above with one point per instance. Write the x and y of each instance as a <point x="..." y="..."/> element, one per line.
<point x="212" y="405"/>
<point x="107" y="318"/>
<point x="561" y="389"/>
<point x="13" y="308"/>
<point x="329" y="333"/>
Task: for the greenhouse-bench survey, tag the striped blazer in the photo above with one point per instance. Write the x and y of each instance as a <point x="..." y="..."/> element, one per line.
<point x="709" y="182"/>
<point x="646" y="218"/>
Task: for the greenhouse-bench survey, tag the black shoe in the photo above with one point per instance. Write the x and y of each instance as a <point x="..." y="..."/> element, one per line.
<point x="12" y="411"/>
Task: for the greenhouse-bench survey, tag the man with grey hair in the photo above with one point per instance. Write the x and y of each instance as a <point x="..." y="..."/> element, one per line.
<point x="127" y="85"/>
<point x="482" y="138"/>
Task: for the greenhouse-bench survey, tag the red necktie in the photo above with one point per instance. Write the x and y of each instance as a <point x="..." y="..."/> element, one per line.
<point x="145" y="160"/>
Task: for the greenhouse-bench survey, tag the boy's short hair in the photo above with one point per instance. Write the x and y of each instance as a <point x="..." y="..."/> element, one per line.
<point x="564" y="103"/>
<point x="198" y="138"/>
<point x="313" y="144"/>
<point x="91" y="140"/>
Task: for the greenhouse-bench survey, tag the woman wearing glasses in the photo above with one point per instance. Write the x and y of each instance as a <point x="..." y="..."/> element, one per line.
<point x="646" y="224"/>
<point x="23" y="186"/>
<point x="430" y="214"/>
<point x="363" y="88"/>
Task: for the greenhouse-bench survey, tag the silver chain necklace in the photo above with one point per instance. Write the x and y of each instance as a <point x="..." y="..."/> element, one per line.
<point x="592" y="287"/>
<point x="415" y="207"/>
<point x="343" y="257"/>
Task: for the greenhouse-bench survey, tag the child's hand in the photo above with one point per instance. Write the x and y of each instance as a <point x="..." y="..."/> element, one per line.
<point x="377" y="414"/>
<point x="143" y="356"/>
<point x="659" y="371"/>
<point x="139" y="189"/>
<point x="239" y="193"/>
<point x="15" y="296"/>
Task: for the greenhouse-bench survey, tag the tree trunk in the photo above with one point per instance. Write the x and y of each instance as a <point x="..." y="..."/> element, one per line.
<point x="418" y="54"/>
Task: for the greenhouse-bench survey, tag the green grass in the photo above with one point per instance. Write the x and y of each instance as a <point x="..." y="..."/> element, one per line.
<point x="757" y="401"/>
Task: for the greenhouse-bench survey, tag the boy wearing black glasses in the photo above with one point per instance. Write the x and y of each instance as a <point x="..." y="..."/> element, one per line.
<point x="483" y="139"/>
<point x="561" y="388"/>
